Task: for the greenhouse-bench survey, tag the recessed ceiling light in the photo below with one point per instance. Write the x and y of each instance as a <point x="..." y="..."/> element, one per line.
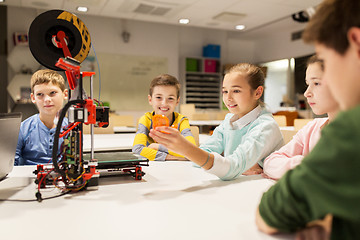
<point x="184" y="21"/>
<point x="240" y="27"/>
<point x="82" y="9"/>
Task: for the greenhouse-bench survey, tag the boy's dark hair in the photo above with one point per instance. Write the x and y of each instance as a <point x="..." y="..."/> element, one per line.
<point x="165" y="80"/>
<point x="47" y="76"/>
<point x="331" y="23"/>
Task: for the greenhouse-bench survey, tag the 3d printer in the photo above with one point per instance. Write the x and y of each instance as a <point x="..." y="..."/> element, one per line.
<point x="59" y="40"/>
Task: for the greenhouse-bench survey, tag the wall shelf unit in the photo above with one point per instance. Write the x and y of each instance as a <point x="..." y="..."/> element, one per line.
<point x="202" y="82"/>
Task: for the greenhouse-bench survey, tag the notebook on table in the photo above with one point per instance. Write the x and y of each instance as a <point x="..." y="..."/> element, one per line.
<point x="9" y="133"/>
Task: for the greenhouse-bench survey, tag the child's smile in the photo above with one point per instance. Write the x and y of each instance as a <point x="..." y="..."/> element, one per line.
<point x="231" y="105"/>
<point x="164" y="100"/>
<point x="237" y="94"/>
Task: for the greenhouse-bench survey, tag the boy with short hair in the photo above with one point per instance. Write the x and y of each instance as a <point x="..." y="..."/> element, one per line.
<point x="327" y="181"/>
<point x="37" y="132"/>
<point x="164" y="96"/>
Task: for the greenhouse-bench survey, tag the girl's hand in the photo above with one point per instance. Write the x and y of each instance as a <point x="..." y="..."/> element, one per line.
<point x="154" y="146"/>
<point x="169" y="156"/>
<point x="318" y="229"/>
<point x="254" y="170"/>
<point x="266" y="176"/>
<point x="170" y="138"/>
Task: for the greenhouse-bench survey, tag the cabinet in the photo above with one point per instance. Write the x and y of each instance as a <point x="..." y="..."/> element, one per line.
<point x="23" y="65"/>
<point x="202" y="82"/>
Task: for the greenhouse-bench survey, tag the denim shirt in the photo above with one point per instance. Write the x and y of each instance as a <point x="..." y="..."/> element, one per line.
<point x="35" y="142"/>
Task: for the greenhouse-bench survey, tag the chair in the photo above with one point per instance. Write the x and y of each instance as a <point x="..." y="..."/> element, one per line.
<point x="221" y="115"/>
<point x="122" y="120"/>
<point x="300" y="123"/>
<point x="195" y="133"/>
<point x="114" y="120"/>
<point x="288" y="135"/>
<point x="99" y="130"/>
<point x="290" y="116"/>
<point x="281" y="120"/>
<point x="187" y="110"/>
<point x="200" y="116"/>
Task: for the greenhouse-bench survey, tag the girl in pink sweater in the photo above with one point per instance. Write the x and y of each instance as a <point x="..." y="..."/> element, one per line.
<point x="321" y="101"/>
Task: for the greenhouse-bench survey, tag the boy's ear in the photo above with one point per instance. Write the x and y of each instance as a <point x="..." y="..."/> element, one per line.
<point x="354" y="39"/>
<point x="149" y="99"/>
<point x="258" y="92"/>
<point x="32" y="98"/>
<point x="66" y="94"/>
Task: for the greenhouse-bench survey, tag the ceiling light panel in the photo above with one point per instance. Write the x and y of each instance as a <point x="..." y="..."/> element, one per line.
<point x="144" y="8"/>
<point x="230" y="17"/>
<point x="43" y="4"/>
<point x="155" y="8"/>
<point x="160" y="11"/>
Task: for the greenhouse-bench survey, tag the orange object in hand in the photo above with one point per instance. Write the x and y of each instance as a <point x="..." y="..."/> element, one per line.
<point x="161" y="120"/>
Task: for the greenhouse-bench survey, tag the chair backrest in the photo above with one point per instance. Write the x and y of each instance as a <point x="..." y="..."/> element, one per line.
<point x="99" y="130"/>
<point x="288" y="135"/>
<point x="122" y="120"/>
<point x="195" y="133"/>
<point x="200" y="116"/>
<point x="114" y="121"/>
<point x="221" y="115"/>
<point x="281" y="120"/>
<point x="300" y="123"/>
<point x="290" y="116"/>
<point x="187" y="110"/>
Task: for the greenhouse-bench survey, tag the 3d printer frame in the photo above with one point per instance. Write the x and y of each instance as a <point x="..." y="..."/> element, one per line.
<point x="54" y="37"/>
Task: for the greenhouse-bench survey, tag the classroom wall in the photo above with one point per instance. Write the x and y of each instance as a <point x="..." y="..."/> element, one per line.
<point x="240" y="51"/>
<point x="146" y="39"/>
<point x="172" y="42"/>
<point x="3" y="62"/>
<point x="278" y="45"/>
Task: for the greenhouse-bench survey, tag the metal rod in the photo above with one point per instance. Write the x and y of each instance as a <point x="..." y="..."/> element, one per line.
<point x="92" y="156"/>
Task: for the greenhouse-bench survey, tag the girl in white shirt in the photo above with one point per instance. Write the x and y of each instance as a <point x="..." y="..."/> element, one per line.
<point x="246" y="136"/>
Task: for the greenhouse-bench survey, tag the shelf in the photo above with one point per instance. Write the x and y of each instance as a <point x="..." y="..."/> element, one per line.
<point x="190" y="83"/>
<point x="202" y="82"/>
<point x="202" y="94"/>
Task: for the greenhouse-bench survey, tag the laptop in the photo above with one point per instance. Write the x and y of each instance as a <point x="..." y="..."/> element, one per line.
<point x="9" y="133"/>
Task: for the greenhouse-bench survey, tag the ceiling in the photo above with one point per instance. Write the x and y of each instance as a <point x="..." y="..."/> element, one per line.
<point x="217" y="14"/>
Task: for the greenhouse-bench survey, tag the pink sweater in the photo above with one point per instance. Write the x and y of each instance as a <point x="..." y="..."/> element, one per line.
<point x="291" y="155"/>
